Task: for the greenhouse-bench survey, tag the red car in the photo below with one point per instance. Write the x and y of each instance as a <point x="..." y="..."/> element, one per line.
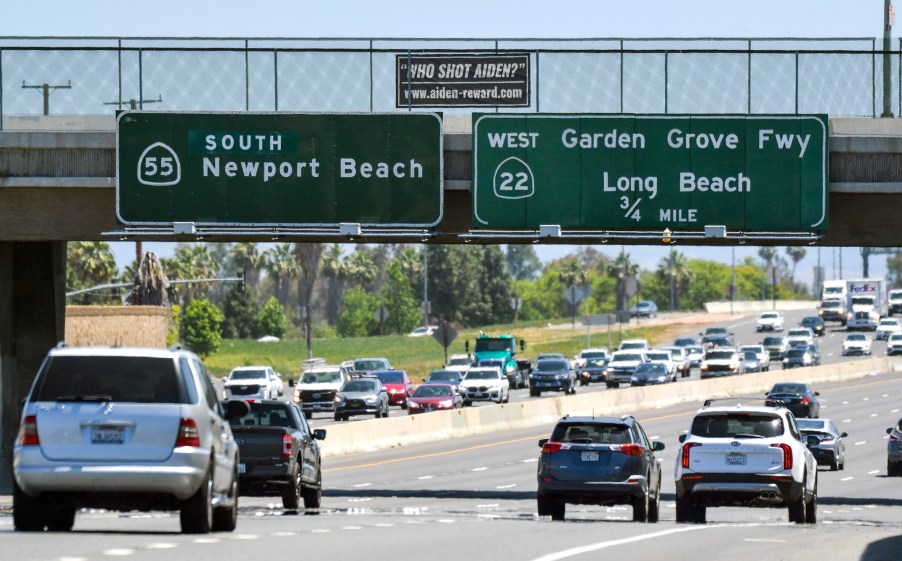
<point x="397" y="384"/>
<point x="434" y="397"/>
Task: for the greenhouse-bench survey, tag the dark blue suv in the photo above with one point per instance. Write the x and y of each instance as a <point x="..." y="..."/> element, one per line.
<point x="600" y="461"/>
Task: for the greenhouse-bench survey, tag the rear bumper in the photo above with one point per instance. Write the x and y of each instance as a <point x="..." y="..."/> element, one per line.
<point x="179" y="476"/>
<point x="606" y="492"/>
<point x="747" y="489"/>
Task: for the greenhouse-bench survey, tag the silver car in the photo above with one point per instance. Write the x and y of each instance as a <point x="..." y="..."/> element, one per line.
<point x="125" y="429"/>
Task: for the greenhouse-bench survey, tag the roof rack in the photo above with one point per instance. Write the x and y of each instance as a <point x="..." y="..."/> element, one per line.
<point x="739" y="399"/>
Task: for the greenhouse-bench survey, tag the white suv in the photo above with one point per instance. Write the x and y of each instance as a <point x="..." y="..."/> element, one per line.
<point x="745" y="456"/>
<point x="769" y="321"/>
<point x="252" y="382"/>
<point x="485" y="383"/>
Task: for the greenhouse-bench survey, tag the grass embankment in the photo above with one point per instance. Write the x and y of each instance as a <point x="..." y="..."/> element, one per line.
<point x="419" y="355"/>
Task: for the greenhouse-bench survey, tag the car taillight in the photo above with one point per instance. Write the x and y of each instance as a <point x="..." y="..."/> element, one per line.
<point x="28" y="432"/>
<point x="787" y="454"/>
<point x="686" y="447"/>
<point x="629" y="449"/>
<point x="188" y="435"/>
<point x="551" y="447"/>
<point x="894" y="437"/>
<point x="805" y="400"/>
<point x="287" y="444"/>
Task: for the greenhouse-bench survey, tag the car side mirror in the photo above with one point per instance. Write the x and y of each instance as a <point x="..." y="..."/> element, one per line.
<point x="236" y="408"/>
<point x="319" y="434"/>
<point x="889" y="430"/>
<point x="467" y="346"/>
<point x="817" y="393"/>
<point x="683" y="438"/>
<point x="224" y="379"/>
<point x="812" y="441"/>
<point x="522" y="345"/>
<point x="542" y="442"/>
<point x="657" y="446"/>
<point x="843" y="435"/>
<point x="291" y="382"/>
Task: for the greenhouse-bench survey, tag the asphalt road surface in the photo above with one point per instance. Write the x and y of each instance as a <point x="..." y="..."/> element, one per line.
<point x="475" y="498"/>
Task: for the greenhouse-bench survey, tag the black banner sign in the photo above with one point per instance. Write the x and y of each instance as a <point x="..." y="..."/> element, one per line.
<point x="477" y="80"/>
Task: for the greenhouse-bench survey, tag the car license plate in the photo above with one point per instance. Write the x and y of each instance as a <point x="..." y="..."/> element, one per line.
<point x="736" y="459"/>
<point x="589" y="456"/>
<point x="115" y="435"/>
<point x="242" y="468"/>
<point x="355" y="405"/>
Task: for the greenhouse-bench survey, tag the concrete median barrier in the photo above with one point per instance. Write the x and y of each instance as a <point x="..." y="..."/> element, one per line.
<point x="378" y="434"/>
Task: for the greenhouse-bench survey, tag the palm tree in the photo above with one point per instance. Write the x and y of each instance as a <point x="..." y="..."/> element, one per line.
<point x="768" y="255"/>
<point x="151" y="285"/>
<point x="282" y="266"/>
<point x="621" y="268"/>
<point x="335" y="270"/>
<point x="796" y="254"/>
<point x="572" y="274"/>
<point x="360" y="269"/>
<point x="308" y="257"/>
<point x="675" y="267"/>
<point x="89" y="264"/>
<point x="248" y="259"/>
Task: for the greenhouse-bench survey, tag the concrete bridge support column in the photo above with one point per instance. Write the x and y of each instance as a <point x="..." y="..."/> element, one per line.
<point x="32" y="320"/>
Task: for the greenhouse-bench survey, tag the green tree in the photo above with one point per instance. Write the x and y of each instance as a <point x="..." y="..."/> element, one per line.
<point x="710" y="282"/>
<point x="202" y="327"/>
<point x="175" y="325"/>
<point x="572" y="274"/>
<point x="241" y="312"/>
<point x="522" y="261"/>
<point x="334" y="270"/>
<point x="190" y="262"/>
<point x="249" y="261"/>
<point x="90" y="264"/>
<point x="495" y="287"/>
<point x="272" y="319"/>
<point x="454" y="276"/>
<point x="674" y="269"/>
<point x="403" y="310"/>
<point x="282" y="267"/>
<point x="356" y="319"/>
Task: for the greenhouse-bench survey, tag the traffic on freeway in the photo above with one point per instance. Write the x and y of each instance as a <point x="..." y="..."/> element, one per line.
<point x="483" y="491"/>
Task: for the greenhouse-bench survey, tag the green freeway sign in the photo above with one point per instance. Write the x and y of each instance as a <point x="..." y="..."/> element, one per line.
<point x="274" y="169"/>
<point x="650" y="172"/>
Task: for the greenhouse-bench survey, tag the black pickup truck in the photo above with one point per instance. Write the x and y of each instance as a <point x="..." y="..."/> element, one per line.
<point x="278" y="454"/>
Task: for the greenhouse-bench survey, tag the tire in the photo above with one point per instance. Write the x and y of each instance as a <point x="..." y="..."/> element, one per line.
<point x="225" y="519"/>
<point x="379" y="413"/>
<point x="467" y="403"/>
<point x="609" y="385"/>
<point x="313" y="497"/>
<point x="28" y="512"/>
<point x="196" y="514"/>
<point x="543" y="504"/>
<point x="892" y="469"/>
<point x="308" y="414"/>
<point x="811" y="510"/>
<point x="291" y="493"/>
<point x="583" y="383"/>
<point x="683" y="511"/>
<point x="798" y="510"/>
<point x="534" y="393"/>
<point x="60" y="518"/>
<point x="640" y="508"/>
<point x="654" y="507"/>
<point x="551" y="506"/>
<point x="834" y="465"/>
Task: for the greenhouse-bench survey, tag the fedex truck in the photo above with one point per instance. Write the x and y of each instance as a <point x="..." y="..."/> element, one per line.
<point x="866" y="294"/>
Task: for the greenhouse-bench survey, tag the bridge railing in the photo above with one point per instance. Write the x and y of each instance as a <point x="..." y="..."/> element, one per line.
<point x="96" y="76"/>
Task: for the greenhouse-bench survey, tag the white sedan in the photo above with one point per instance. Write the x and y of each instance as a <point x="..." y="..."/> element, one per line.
<point x="769" y="321"/>
<point x="856" y="344"/>
<point x="887" y="327"/>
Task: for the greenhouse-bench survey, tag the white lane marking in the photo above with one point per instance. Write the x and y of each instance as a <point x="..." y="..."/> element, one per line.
<point x="119" y="552"/>
<point x="861" y="442"/>
<point x="491" y="505"/>
<point x="874" y="472"/>
<point x="283" y="534"/>
<point x="894" y="411"/>
<point x="873" y="415"/>
<point x="885" y="395"/>
<point x="479" y="469"/>
<point x="320" y="531"/>
<point x="425" y="477"/>
<point x="866" y="399"/>
<point x="531" y="460"/>
<point x="382" y="525"/>
<point x="161" y="545"/>
<point x="363" y="485"/>
<point x="655" y="437"/>
<point x="850" y="478"/>
<point x="763" y="540"/>
<point x="362" y="500"/>
<point x="845" y="402"/>
<point x="446" y="521"/>
<point x="73" y="559"/>
<point x="206" y="540"/>
<point x="352" y="527"/>
<point x="244" y="537"/>
<point x="613" y="543"/>
<point x="506" y="486"/>
<point x="847" y="420"/>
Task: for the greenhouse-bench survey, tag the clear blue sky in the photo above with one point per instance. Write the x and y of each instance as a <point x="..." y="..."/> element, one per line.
<point x="467" y="18"/>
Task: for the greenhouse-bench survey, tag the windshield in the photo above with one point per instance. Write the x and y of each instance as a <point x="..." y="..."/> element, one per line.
<point x="321" y="377"/>
<point x="658" y="356"/>
<point x="719" y="355"/>
<point x="831" y="304"/>
<point x="593" y="355"/>
<point x="788" y="388"/>
<point x="770" y="315"/>
<point x="651" y="368"/>
<point x="633" y="345"/>
<point x="716" y="331"/>
<point x="797" y="353"/>
<point x="695" y="349"/>
<point x="390" y="377"/>
<point x="460" y="361"/>
<point x="551" y="365"/>
<point x="432" y="391"/>
<point x="481" y="375"/>
<point x="247" y="374"/>
<point x="492" y="362"/>
<point x="626" y="356"/>
<point x="486" y="344"/>
<point x="443" y="376"/>
<point x="856" y="337"/>
<point x="368" y="364"/>
<point x="359" y="386"/>
<point x="113" y="378"/>
<point x="773" y="340"/>
<point x="750" y="355"/>
<point x="799" y="333"/>
<point x="742" y="425"/>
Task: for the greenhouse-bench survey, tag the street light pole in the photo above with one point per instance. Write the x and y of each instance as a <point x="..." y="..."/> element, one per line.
<point x="889" y="19"/>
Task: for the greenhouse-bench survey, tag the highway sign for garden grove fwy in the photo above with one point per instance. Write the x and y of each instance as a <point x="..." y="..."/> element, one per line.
<point x="274" y="169"/>
<point x="650" y="172"/>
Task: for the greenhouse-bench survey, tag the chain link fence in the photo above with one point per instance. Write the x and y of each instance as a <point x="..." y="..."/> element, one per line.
<point x="852" y="77"/>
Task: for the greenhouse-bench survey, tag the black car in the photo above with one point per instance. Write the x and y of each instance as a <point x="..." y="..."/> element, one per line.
<point x="815" y="324"/>
<point x="444" y="377"/>
<point x="599" y="461"/>
<point x="798" y="398"/>
<point x="651" y="373"/>
<point x="552" y="374"/>
<point x="361" y="396"/>
<point x="801" y="356"/>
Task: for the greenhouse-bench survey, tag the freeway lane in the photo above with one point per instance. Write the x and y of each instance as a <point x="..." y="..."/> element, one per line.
<point x="474" y="497"/>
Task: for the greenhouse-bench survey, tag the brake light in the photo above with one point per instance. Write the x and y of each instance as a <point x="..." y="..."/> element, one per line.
<point x="287" y="444"/>
<point x="686" y="447"/>
<point x="787" y="454"/>
<point x="629" y="449"/>
<point x="28" y="432"/>
<point x="552" y="447"/>
<point x="805" y="400"/>
<point x="188" y="434"/>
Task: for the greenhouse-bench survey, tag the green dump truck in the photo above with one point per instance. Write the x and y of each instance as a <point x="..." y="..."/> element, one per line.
<point x="501" y="351"/>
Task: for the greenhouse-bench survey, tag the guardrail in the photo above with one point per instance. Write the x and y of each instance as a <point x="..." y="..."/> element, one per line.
<point x="372" y="435"/>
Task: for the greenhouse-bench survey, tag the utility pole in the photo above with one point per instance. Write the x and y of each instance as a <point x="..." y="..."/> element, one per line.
<point x="134" y="104"/>
<point x="47" y="89"/>
<point x="889" y="20"/>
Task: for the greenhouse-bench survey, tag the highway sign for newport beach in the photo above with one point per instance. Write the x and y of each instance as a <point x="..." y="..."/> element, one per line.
<point x="274" y="169"/>
<point x="650" y="172"/>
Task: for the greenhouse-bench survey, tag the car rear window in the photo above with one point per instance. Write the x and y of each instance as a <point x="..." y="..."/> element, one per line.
<point x="390" y="377"/>
<point x="265" y="415"/>
<point x="551" y="365"/>
<point x="114" y="378"/>
<point x="737" y="425"/>
<point x="591" y="433"/>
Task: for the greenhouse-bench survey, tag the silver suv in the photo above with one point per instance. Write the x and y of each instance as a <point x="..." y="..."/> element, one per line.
<point x="125" y="429"/>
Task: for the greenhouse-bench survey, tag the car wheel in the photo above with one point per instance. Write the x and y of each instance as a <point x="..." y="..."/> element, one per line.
<point x="892" y="469"/>
<point x="291" y="493"/>
<point x="225" y="519"/>
<point x="798" y="509"/>
<point x="60" y="518"/>
<point x="308" y="414"/>
<point x="313" y="497"/>
<point x="811" y="509"/>
<point x="551" y="506"/>
<point x="654" y="506"/>
<point x="558" y="510"/>
<point x="687" y="513"/>
<point x="28" y="512"/>
<point x="640" y="508"/>
<point x="196" y="514"/>
<point x="467" y="403"/>
<point x="834" y="465"/>
<point x="609" y="385"/>
<point x="533" y="393"/>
